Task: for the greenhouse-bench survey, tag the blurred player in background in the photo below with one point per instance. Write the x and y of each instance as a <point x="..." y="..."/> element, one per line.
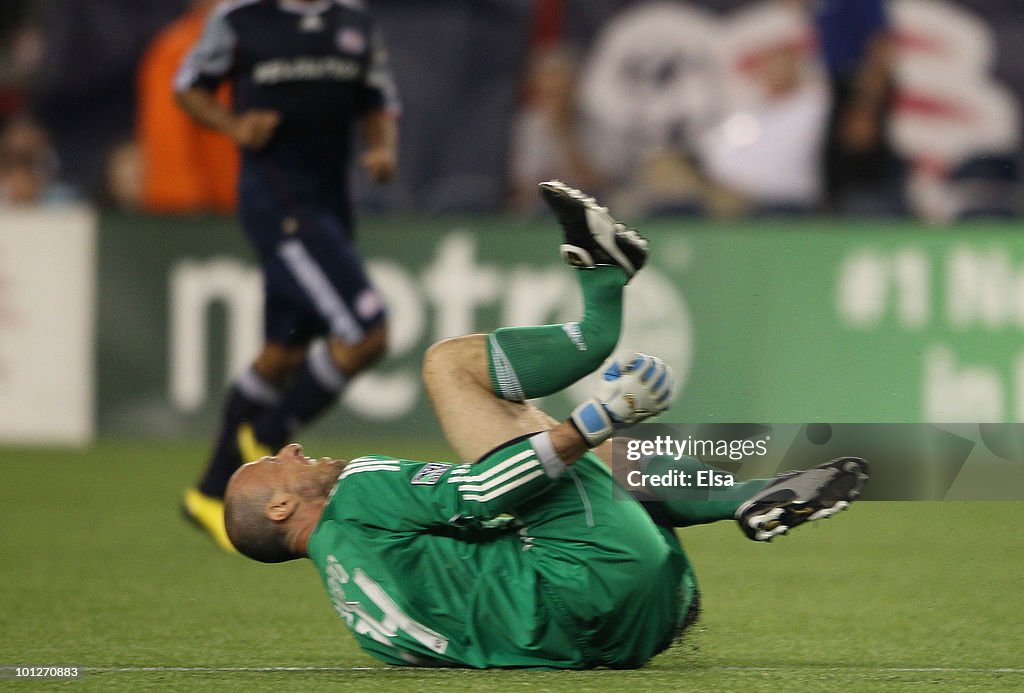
<point x="416" y="556"/>
<point x="304" y="75"/>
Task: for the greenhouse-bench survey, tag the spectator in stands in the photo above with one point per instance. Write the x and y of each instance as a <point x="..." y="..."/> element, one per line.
<point x="768" y="153"/>
<point x="185" y="166"/>
<point x="547" y="137"/>
<point x="84" y="94"/>
<point x="861" y="171"/>
<point x="28" y="167"/>
<point x="20" y="55"/>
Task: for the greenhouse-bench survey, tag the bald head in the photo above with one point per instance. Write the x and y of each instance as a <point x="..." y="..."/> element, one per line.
<point x="251" y="531"/>
<point x="272" y="506"/>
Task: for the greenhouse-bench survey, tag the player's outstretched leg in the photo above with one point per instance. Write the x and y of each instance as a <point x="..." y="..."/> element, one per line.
<point x="764" y="508"/>
<point x="528" y="362"/>
<point x="685" y="506"/>
<point x="794" y="498"/>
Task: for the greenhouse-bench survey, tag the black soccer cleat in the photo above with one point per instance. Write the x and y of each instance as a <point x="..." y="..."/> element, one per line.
<point x="798" y="497"/>
<point x="592" y="237"/>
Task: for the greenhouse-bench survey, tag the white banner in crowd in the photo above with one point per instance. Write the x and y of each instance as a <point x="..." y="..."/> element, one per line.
<point x="47" y="323"/>
<point x="671" y="76"/>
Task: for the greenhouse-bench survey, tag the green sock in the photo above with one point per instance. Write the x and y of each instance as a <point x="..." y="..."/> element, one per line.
<point x="528" y="362"/>
<point x="698" y="505"/>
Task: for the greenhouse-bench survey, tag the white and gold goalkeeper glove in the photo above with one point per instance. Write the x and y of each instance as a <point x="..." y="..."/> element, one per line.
<point x="634" y="387"/>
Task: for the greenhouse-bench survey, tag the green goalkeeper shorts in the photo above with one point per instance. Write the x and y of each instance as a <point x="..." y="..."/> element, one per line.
<point x="620" y="586"/>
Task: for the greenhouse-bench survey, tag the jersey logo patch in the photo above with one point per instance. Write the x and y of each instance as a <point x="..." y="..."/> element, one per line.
<point x="351" y="41"/>
<point x="430" y="473"/>
<point x="311" y="23"/>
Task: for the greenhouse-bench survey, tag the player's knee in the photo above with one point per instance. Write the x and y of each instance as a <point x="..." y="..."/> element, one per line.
<point x="437" y="355"/>
<point x="352" y="358"/>
<point x="277" y="362"/>
<point x="439" y="360"/>
<point x="375" y="343"/>
<point x="449" y="358"/>
<point x="444" y="355"/>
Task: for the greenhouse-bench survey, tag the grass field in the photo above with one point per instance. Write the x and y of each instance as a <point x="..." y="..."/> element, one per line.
<point x="99" y="570"/>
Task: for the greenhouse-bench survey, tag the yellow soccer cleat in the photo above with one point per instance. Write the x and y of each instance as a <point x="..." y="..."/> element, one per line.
<point x="248" y="446"/>
<point x="207" y="513"/>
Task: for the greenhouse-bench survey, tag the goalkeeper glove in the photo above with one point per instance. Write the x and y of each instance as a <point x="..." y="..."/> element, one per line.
<point x="632" y="389"/>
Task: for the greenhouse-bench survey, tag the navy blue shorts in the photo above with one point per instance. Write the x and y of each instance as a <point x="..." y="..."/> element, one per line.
<point x="314" y="280"/>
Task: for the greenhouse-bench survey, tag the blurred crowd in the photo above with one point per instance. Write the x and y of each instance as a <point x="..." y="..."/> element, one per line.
<point x="704" y="107"/>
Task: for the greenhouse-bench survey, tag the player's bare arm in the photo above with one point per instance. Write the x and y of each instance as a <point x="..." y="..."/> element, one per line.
<point x="251" y="129"/>
<point x="380" y="134"/>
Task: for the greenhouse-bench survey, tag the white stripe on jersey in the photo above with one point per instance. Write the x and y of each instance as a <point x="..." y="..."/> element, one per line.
<point x="364" y="464"/>
<point x="515" y="459"/>
<point x="328" y="301"/>
<point x="256" y="388"/>
<point x="232" y="5"/>
<point x="514" y="472"/>
<point x="504" y="489"/>
<point x="370" y="463"/>
<point x="323" y="367"/>
<point x="213" y="54"/>
<point x="375" y="459"/>
<point x="370" y="468"/>
<point x="303" y="7"/>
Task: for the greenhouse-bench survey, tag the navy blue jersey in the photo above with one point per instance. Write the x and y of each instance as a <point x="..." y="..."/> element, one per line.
<point x="322" y="66"/>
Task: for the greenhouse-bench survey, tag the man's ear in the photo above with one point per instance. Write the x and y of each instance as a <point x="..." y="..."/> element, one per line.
<point x="281" y="506"/>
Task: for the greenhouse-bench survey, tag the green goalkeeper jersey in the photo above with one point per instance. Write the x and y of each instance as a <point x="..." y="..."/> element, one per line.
<point x="425" y="566"/>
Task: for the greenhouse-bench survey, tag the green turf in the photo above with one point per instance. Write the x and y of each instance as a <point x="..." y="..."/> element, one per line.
<point x="99" y="570"/>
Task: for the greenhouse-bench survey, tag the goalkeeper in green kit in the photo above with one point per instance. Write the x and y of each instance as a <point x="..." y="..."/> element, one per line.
<point x="523" y="557"/>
